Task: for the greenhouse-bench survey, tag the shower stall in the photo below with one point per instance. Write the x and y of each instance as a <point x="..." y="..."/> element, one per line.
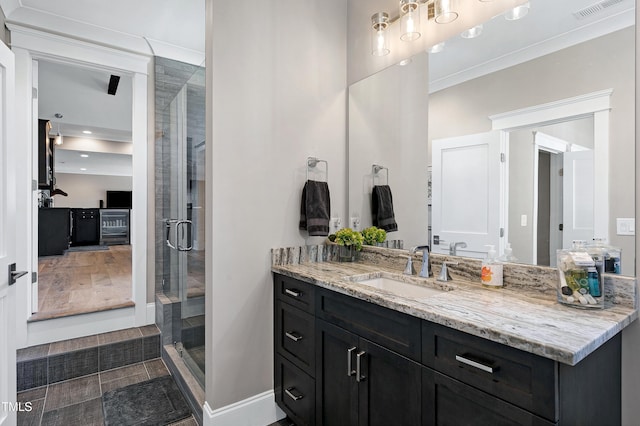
<point x="180" y="221"/>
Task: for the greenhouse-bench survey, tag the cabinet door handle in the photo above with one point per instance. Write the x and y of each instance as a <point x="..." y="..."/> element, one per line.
<point x="293" y="293"/>
<point x="475" y="364"/>
<point x="293" y="336"/>
<point x="359" y="376"/>
<point x="293" y="396"/>
<point x="350" y="370"/>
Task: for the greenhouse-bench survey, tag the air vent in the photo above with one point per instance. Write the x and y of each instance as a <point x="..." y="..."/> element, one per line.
<point x="595" y="8"/>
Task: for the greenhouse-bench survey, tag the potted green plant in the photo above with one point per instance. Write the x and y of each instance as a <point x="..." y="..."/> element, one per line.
<point x="350" y="242"/>
<point x="374" y="235"/>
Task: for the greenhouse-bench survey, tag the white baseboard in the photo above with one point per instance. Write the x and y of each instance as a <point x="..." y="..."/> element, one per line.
<point x="258" y="410"/>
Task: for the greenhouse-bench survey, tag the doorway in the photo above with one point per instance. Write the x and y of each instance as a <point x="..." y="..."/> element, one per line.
<point x="84" y="174"/>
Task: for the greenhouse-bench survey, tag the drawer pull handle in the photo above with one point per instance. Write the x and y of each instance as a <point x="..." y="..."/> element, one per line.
<point x="293" y="293"/>
<point x="293" y="336"/>
<point x="475" y="364"/>
<point x="359" y="376"/>
<point x="291" y="395"/>
<point x="350" y="370"/>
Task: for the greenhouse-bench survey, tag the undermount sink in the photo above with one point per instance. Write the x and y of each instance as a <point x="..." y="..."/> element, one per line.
<point x="398" y="285"/>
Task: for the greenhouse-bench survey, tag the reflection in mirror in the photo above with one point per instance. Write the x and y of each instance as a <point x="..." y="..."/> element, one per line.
<point x="462" y="100"/>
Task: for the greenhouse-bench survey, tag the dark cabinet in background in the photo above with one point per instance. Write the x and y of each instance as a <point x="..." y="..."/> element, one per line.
<point x="45" y="156"/>
<point x="53" y="231"/>
<point x="85" y="229"/>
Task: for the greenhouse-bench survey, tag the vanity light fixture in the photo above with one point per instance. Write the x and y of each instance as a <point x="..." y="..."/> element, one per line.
<point x="379" y="35"/>
<point x="472" y="32"/>
<point x="409" y="20"/>
<point x="444" y="11"/>
<point x="517" y="12"/>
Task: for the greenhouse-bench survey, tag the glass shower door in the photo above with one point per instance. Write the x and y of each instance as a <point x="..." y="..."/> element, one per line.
<point x="183" y="163"/>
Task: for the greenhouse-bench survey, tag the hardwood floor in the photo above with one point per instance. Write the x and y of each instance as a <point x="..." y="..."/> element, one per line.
<point x="84" y="281"/>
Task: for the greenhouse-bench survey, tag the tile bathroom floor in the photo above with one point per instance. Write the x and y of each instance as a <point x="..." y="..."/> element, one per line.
<point x="79" y="401"/>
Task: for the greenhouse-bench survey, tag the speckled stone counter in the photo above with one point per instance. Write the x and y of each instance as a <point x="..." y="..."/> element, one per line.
<point x="522" y="316"/>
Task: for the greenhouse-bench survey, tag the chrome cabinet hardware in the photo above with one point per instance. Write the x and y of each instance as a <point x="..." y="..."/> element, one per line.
<point x="350" y="370"/>
<point x="290" y="394"/>
<point x="359" y="376"/>
<point x="475" y="364"/>
<point x="293" y="293"/>
<point x="293" y="336"/>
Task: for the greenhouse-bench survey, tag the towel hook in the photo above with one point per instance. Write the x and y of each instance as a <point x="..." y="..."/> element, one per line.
<point x="312" y="162"/>
<point x="376" y="168"/>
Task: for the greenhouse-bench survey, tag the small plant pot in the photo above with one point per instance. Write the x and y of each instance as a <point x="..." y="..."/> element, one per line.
<point x="347" y="253"/>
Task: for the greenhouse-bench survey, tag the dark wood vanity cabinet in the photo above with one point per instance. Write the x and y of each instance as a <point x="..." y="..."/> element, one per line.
<point x="364" y="364"/>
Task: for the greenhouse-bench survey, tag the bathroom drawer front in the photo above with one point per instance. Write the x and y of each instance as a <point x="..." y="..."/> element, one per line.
<point x="295" y="292"/>
<point x="524" y="379"/>
<point x="391" y="329"/>
<point x="295" y="392"/>
<point x="296" y="336"/>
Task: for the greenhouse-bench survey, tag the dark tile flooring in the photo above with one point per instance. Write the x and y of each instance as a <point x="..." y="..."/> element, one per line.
<point x="79" y="401"/>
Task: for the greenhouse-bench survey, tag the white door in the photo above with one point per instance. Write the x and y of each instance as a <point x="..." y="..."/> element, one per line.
<point x="468" y="193"/>
<point x="8" y="186"/>
<point x="578" y="197"/>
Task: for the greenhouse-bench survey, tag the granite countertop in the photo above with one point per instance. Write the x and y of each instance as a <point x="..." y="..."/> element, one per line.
<point x="538" y="325"/>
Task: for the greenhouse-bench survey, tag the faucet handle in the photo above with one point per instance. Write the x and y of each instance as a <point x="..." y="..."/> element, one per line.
<point x="444" y="272"/>
<point x="409" y="269"/>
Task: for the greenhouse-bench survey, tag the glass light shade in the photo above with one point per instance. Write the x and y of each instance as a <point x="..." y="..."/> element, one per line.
<point x="409" y="20"/>
<point x="379" y="34"/>
<point x="517" y="12"/>
<point x="472" y="32"/>
<point x="436" y="48"/>
<point x="445" y="11"/>
<point x="58" y="140"/>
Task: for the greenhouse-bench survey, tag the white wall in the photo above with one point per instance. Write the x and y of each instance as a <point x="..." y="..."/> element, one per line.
<point x="276" y="94"/>
<point x="88" y="190"/>
<point x="602" y="63"/>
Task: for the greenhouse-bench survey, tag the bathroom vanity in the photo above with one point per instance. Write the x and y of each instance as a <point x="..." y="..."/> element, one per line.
<point x="349" y="353"/>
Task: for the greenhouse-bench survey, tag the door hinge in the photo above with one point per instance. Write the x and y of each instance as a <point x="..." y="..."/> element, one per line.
<point x="501" y="232"/>
<point x="561" y="172"/>
<point x="34" y="93"/>
<point x="503" y="157"/>
<point x="34" y="185"/>
<point x="163" y="283"/>
<point x="34" y="277"/>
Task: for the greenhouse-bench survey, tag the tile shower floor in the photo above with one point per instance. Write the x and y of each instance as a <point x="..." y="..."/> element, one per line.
<point x="79" y="401"/>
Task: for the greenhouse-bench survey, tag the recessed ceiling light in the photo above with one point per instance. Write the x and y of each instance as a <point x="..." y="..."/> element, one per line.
<point x="87" y="132"/>
<point x="83" y="169"/>
<point x="84" y="155"/>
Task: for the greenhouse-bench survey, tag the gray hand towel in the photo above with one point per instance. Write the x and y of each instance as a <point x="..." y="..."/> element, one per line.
<point x="382" y="208"/>
<point x="315" y="208"/>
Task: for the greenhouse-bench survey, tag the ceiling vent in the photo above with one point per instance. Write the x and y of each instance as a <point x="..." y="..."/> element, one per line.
<point x="595" y="8"/>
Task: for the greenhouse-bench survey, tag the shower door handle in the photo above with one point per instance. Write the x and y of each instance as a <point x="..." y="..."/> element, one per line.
<point x="178" y="225"/>
<point x="188" y="225"/>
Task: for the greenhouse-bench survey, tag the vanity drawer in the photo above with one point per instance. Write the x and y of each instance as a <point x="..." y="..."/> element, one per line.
<point x="391" y="329"/>
<point x="295" y="392"/>
<point x="524" y="379"/>
<point x="295" y="336"/>
<point x="295" y="292"/>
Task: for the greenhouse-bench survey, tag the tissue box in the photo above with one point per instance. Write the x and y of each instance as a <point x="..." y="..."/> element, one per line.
<point x="581" y="283"/>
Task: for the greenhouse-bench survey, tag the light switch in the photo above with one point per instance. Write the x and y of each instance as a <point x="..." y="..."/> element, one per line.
<point x="625" y="226"/>
<point x="523" y="220"/>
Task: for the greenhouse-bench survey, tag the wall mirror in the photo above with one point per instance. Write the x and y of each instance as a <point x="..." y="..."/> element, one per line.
<point x="594" y="52"/>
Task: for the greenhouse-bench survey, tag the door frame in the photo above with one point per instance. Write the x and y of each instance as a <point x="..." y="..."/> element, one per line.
<point x="594" y="104"/>
<point x="29" y="44"/>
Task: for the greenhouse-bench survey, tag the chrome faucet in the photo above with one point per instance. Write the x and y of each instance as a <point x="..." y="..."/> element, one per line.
<point x="425" y="272"/>
<point x="453" y="247"/>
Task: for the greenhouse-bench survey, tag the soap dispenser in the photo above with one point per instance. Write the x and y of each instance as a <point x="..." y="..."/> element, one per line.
<point x="508" y="255"/>
<point x="491" y="275"/>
